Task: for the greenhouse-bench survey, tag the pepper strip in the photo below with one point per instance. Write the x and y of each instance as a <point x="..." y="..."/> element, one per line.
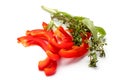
<point x="62" y="34"/>
<point x="50" y="51"/>
<point x="45" y="25"/>
<point x="51" y="69"/>
<point x="48" y="66"/>
<point x="48" y="35"/>
<point x="30" y="40"/>
<point x="76" y="51"/>
<point x="52" y="56"/>
<point x="44" y="63"/>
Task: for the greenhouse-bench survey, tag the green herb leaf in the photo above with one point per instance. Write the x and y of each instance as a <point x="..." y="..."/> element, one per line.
<point x="91" y="26"/>
<point x="100" y="32"/>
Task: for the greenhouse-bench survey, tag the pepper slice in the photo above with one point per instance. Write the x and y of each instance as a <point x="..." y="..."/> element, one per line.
<point x="46" y="35"/>
<point x="49" y="36"/>
<point x="44" y="63"/>
<point x="51" y="69"/>
<point x="45" y="25"/>
<point x="63" y="44"/>
<point x="48" y="66"/>
<point x="76" y="51"/>
<point x="49" y="49"/>
<point x="52" y="55"/>
<point x="30" y="40"/>
<point x="56" y="44"/>
<point x="62" y="34"/>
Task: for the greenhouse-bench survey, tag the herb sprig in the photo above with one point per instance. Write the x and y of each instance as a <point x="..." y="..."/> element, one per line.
<point x="79" y="24"/>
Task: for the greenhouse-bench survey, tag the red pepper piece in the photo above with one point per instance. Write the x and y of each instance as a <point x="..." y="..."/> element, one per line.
<point x="62" y="34"/>
<point x="45" y="25"/>
<point x="44" y="63"/>
<point x="51" y="69"/>
<point x="52" y="56"/>
<point x="64" y="40"/>
<point x="86" y="37"/>
<point x="63" y="44"/>
<point x="26" y="40"/>
<point x="30" y="40"/>
<point x="76" y="51"/>
<point x="49" y="36"/>
<point x="40" y="33"/>
<point x="65" y="32"/>
<point x="52" y="48"/>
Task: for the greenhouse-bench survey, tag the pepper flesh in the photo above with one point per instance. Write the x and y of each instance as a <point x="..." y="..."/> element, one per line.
<point x="43" y="63"/>
<point x="51" y="69"/>
<point x="56" y="44"/>
<point x="45" y="25"/>
<point x="49" y="36"/>
<point x="52" y="56"/>
<point x="76" y="51"/>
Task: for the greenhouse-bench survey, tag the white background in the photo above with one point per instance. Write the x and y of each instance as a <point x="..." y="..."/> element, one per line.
<point x="20" y="63"/>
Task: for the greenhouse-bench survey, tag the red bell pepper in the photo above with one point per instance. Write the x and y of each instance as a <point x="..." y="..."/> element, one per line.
<point x="52" y="56"/>
<point x="64" y="40"/>
<point x="48" y="66"/>
<point x="30" y="40"/>
<point x="85" y="36"/>
<point x="44" y="63"/>
<point x="45" y="25"/>
<point x="49" y="36"/>
<point x="51" y="69"/>
<point x="63" y="44"/>
<point x="76" y="51"/>
<point x="50" y="50"/>
<point x="39" y="33"/>
<point x="56" y="44"/>
<point x="66" y="35"/>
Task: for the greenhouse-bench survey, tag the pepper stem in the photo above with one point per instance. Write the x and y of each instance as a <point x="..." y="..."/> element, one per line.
<point x="51" y="11"/>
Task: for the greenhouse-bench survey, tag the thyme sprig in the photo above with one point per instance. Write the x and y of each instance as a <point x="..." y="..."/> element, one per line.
<point x="79" y="24"/>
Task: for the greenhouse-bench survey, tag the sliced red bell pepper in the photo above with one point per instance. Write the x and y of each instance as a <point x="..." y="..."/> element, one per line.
<point x="40" y="33"/>
<point x="62" y="34"/>
<point x="85" y="36"/>
<point x="49" y="36"/>
<point x="50" y="50"/>
<point x="45" y="25"/>
<point x="76" y="51"/>
<point x="51" y="69"/>
<point x="64" y="40"/>
<point x="65" y="33"/>
<point x="31" y="40"/>
<point x="44" y="63"/>
<point x="56" y="44"/>
<point x="26" y="40"/>
<point x="63" y="44"/>
<point x="52" y="56"/>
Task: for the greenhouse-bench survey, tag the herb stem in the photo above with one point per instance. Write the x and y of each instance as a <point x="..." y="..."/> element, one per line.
<point x="51" y="11"/>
